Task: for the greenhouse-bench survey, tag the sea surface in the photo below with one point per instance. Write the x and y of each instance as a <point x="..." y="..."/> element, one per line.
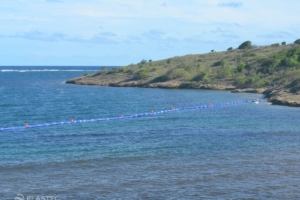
<point x="243" y="151"/>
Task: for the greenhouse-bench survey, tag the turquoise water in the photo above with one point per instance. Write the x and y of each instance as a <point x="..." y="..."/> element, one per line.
<point x="230" y="152"/>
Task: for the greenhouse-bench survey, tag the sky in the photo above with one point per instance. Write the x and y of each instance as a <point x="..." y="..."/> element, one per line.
<point x="122" y="32"/>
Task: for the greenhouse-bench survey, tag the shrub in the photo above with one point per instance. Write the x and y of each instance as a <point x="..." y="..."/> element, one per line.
<point x="245" y="45"/>
<point x="142" y="74"/>
<point x="275" y="45"/>
<point x="230" y="49"/>
<point x="175" y="73"/>
<point x="189" y="68"/>
<point x="200" y="77"/>
<point x="224" y="72"/>
<point x="283" y="43"/>
<point x="200" y="66"/>
<point x="122" y="69"/>
<point x="240" y="67"/>
<point x="215" y="64"/>
<point x="218" y="63"/>
<point x="290" y="62"/>
<point x="248" y="54"/>
<point x="251" y="81"/>
<point x="143" y="62"/>
<point x="112" y="71"/>
<point x="297" y="41"/>
<point x="130" y="71"/>
<point x="162" y="78"/>
<point x="238" y="58"/>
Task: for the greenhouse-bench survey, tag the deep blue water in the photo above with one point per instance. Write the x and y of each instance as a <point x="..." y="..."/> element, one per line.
<point x="231" y="152"/>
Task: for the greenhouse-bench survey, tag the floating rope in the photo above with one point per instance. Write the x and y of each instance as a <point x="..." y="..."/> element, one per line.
<point x="121" y="117"/>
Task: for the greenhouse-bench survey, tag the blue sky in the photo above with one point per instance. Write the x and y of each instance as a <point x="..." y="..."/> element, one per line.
<point x="121" y="32"/>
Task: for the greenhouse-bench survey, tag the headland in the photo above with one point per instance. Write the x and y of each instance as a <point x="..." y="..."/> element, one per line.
<point x="272" y="70"/>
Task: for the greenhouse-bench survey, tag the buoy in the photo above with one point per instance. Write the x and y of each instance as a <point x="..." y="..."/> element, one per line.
<point x="121" y="116"/>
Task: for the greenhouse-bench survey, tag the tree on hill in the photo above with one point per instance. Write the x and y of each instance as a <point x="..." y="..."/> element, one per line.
<point x="245" y="45"/>
<point x="283" y="43"/>
<point x="297" y="41"/>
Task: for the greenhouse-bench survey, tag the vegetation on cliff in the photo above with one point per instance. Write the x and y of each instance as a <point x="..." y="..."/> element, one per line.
<point x="272" y="67"/>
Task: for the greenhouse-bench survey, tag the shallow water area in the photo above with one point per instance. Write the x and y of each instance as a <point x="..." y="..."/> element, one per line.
<point x="238" y="151"/>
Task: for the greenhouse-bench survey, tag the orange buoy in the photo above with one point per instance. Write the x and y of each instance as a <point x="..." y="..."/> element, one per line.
<point x="26" y="125"/>
<point x="71" y="120"/>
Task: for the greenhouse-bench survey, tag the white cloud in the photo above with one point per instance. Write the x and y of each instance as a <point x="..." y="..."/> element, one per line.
<point x="168" y="26"/>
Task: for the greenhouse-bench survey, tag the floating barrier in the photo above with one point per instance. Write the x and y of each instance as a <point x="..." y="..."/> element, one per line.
<point x="121" y="117"/>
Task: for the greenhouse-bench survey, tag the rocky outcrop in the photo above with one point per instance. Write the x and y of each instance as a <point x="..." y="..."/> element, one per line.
<point x="288" y="95"/>
<point x="249" y="90"/>
<point x="283" y="97"/>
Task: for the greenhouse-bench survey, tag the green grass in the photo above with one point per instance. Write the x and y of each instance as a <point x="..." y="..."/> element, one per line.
<point x="254" y="67"/>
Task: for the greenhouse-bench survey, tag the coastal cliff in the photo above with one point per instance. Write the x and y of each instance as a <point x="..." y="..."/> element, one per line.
<point x="272" y="70"/>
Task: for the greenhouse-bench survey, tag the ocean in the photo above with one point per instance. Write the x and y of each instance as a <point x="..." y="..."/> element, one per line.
<point x="240" y="151"/>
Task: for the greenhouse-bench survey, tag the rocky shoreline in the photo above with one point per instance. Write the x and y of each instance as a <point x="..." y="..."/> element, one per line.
<point x="278" y="96"/>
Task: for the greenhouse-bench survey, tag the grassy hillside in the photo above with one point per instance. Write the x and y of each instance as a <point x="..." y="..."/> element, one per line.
<point x="270" y="67"/>
<point x="256" y="67"/>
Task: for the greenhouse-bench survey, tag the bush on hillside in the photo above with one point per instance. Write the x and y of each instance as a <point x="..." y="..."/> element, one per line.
<point x="230" y="49"/>
<point x="240" y="67"/>
<point x="162" y="78"/>
<point x="245" y="45"/>
<point x="143" y="62"/>
<point x="253" y="81"/>
<point x="200" y="77"/>
<point x="248" y="54"/>
<point x="112" y="71"/>
<point x="224" y="72"/>
<point x="297" y="41"/>
<point x="175" y="73"/>
<point x="122" y="69"/>
<point x="142" y="74"/>
<point x="275" y="45"/>
<point x="283" y="43"/>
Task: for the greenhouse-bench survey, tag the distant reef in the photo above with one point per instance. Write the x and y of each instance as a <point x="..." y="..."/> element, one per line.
<point x="273" y="70"/>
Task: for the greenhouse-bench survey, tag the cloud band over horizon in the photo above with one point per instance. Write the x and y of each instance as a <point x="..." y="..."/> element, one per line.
<point x="52" y="32"/>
